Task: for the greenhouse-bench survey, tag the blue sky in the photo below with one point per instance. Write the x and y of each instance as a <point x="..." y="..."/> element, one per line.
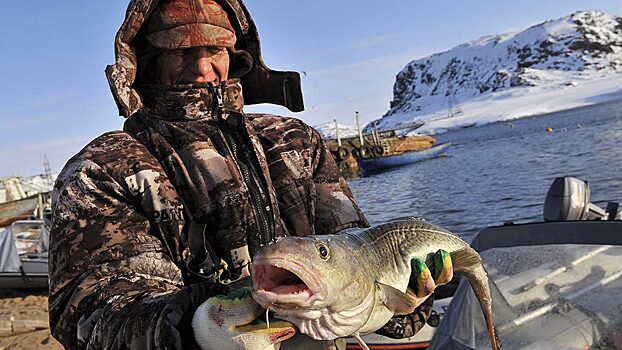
<point x="54" y="97"/>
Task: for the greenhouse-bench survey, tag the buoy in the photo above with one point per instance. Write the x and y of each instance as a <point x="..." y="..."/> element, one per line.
<point x="549" y="129"/>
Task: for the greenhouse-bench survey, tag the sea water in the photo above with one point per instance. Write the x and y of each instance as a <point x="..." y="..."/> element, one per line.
<point x="500" y="172"/>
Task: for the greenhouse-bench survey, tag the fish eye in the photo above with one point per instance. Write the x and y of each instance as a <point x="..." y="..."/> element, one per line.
<point x="324" y="251"/>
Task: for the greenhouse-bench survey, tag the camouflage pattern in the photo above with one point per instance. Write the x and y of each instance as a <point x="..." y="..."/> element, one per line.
<point x="179" y="24"/>
<point x="406" y="326"/>
<point x="261" y="84"/>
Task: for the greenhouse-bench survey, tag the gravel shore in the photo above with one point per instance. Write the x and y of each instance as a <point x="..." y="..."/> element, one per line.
<point x="24" y="321"/>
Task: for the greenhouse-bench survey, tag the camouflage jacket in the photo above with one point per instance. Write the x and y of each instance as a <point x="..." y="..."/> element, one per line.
<point x="151" y="221"/>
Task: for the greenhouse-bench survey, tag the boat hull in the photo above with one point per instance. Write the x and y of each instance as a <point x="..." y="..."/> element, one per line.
<point x="15" y="280"/>
<point x="370" y="165"/>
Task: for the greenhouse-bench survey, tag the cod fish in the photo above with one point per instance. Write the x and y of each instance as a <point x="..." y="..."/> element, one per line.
<point x="351" y="284"/>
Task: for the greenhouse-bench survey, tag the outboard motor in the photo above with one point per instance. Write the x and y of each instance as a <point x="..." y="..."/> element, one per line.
<point x="568" y="199"/>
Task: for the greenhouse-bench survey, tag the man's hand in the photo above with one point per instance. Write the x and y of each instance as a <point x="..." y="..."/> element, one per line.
<point x="233" y="321"/>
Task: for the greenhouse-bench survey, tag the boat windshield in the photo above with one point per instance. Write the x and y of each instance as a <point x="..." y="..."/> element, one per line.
<point x="31" y="236"/>
<point x="553" y="296"/>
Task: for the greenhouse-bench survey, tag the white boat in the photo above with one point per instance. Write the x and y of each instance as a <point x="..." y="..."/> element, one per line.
<point x="554" y="285"/>
<point x="24" y="255"/>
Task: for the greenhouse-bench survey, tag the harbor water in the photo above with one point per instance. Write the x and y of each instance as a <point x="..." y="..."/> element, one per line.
<point x="500" y="172"/>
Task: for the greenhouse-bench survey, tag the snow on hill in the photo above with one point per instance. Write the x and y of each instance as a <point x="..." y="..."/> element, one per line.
<point x="327" y="130"/>
<point x="565" y="63"/>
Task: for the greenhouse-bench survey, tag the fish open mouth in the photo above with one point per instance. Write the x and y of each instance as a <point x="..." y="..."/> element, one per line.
<point x="292" y="291"/>
<point x="277" y="280"/>
<point x="281" y="285"/>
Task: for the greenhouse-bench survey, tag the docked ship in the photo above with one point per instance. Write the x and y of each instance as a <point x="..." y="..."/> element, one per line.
<point x="378" y="150"/>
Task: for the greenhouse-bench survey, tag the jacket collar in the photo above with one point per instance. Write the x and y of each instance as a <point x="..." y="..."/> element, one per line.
<point x="192" y="101"/>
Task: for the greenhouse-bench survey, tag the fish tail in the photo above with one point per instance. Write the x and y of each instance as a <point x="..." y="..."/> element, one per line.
<point x="467" y="261"/>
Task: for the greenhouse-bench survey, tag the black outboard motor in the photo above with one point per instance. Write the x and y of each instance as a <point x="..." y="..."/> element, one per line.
<point x="568" y="199"/>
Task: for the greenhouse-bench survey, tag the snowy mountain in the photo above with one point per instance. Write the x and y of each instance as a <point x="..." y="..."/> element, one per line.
<point x="327" y="130"/>
<point x="565" y="63"/>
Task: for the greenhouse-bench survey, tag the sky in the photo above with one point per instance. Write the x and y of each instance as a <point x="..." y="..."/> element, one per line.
<point x="54" y="97"/>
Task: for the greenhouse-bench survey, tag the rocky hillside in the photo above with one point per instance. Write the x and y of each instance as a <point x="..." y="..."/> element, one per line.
<point x="552" y="54"/>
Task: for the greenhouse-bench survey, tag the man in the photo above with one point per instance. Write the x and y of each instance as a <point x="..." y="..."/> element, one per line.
<point x="152" y="221"/>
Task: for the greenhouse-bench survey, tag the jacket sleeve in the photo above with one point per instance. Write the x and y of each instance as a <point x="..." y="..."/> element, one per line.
<point x="406" y="326"/>
<point x="336" y="209"/>
<point x="313" y="196"/>
<point x="113" y="284"/>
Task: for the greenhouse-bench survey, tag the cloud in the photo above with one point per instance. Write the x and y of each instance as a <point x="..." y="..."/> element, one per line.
<point x="368" y="66"/>
<point x="50" y="144"/>
<point x="336" y="92"/>
<point x="520" y="27"/>
<point x="38" y="102"/>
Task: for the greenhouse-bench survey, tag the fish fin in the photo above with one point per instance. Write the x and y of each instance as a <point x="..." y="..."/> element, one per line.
<point x="465" y="258"/>
<point x="397" y="301"/>
<point x="360" y="340"/>
<point x="497" y="340"/>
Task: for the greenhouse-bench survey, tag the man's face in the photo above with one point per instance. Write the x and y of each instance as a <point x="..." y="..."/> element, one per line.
<point x="193" y="65"/>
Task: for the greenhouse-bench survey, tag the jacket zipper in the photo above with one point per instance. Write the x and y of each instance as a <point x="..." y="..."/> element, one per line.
<point x="251" y="178"/>
<point x="249" y="174"/>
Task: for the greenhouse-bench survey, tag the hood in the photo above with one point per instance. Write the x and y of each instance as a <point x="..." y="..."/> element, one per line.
<point x="260" y="84"/>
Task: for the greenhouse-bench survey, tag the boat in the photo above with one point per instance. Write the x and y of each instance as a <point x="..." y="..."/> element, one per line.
<point x="24" y="249"/>
<point x="555" y="284"/>
<point x="24" y="239"/>
<point x="18" y="210"/>
<point x="377" y="163"/>
<point x="347" y="151"/>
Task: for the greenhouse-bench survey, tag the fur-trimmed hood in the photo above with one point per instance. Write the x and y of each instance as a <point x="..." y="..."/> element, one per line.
<point x="260" y="85"/>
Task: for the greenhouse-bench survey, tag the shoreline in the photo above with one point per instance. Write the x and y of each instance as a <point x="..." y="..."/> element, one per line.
<point x="514" y="103"/>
